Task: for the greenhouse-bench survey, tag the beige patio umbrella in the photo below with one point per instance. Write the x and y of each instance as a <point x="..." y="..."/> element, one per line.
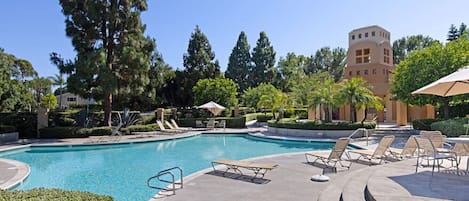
<point x="453" y="84"/>
<point x="213" y="107"/>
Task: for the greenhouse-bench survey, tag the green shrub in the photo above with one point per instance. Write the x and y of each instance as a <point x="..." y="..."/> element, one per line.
<point x="264" y="117"/>
<point x="250" y="117"/>
<point x="96" y="131"/>
<point x="451" y="127"/>
<point x="60" y="132"/>
<point x="316" y="125"/>
<point x="40" y="194"/>
<point x="140" y="128"/>
<point x="73" y="132"/>
<point x="7" y="129"/>
<point x="424" y="124"/>
<point x="24" y="122"/>
<point x="149" y="119"/>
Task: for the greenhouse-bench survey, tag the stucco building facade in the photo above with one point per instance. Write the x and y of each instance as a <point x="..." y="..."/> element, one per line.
<point x="370" y="56"/>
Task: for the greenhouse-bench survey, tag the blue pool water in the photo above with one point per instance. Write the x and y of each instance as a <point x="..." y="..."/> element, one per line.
<point x="122" y="170"/>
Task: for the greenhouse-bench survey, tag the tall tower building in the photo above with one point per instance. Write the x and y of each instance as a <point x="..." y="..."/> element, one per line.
<point x="370" y="56"/>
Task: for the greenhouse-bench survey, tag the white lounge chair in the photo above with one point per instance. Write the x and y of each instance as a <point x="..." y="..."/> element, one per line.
<point x="333" y="157"/>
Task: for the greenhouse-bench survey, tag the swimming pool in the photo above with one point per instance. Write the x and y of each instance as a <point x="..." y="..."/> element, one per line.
<point x="122" y="170"/>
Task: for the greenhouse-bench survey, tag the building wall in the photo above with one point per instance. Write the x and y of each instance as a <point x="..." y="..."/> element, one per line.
<point x="72" y="99"/>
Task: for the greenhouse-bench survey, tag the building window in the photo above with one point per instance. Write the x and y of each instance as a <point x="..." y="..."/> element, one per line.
<point x="72" y="99"/>
<point x="387" y="56"/>
<point x="350" y="73"/>
<point x="366" y="35"/>
<point x="366" y="72"/>
<point x="373" y="34"/>
<point x="359" y="35"/>
<point x="362" y="56"/>
<point x="358" y="72"/>
<point x="353" y="37"/>
<point x="374" y="71"/>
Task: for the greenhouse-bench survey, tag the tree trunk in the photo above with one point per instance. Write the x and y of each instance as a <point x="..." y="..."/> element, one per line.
<point x="364" y="117"/>
<point x="326" y="114"/>
<point x="108" y="108"/>
<point x="446" y="108"/>
<point x="352" y="112"/>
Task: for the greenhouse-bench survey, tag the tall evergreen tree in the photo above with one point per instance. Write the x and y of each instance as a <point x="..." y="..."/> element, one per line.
<point x="403" y="46"/>
<point x="263" y="57"/>
<point x="112" y="52"/>
<point x="331" y="61"/>
<point x="239" y="64"/>
<point x="462" y="29"/>
<point x="199" y="63"/>
<point x="453" y="33"/>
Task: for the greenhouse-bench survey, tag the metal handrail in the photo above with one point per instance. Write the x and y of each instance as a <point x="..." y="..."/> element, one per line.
<point x="360" y="129"/>
<point x="172" y="181"/>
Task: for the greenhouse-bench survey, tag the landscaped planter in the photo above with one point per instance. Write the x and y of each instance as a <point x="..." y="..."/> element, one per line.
<point x="312" y="133"/>
<point x="8" y="137"/>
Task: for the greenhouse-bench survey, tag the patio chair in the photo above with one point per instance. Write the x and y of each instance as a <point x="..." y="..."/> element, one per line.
<point x="330" y="159"/>
<point x="259" y="169"/>
<point x="407" y="151"/>
<point x="199" y="124"/>
<point x="176" y="126"/>
<point x="222" y="124"/>
<point x="211" y="124"/>
<point x="169" y="125"/>
<point x="163" y="129"/>
<point x="427" y="150"/>
<point x="438" y="140"/>
<point x="378" y="153"/>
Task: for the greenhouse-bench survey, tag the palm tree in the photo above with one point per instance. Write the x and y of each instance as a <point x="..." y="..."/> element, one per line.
<point x="356" y="93"/>
<point x="324" y="95"/>
<point x="58" y="80"/>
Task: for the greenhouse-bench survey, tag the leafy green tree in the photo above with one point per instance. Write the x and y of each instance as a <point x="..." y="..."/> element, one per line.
<point x="263" y="57"/>
<point x="424" y="66"/>
<point x="403" y="46"/>
<point x="220" y="90"/>
<point x="331" y="61"/>
<point x="112" y="52"/>
<point x="276" y="101"/>
<point x="160" y="74"/>
<point x="48" y="101"/>
<point x="252" y="96"/>
<point x="39" y="87"/>
<point x="354" y="92"/>
<point x="199" y="63"/>
<point x="58" y="80"/>
<point x="292" y="70"/>
<point x="14" y="94"/>
<point x="240" y="64"/>
<point x="453" y="33"/>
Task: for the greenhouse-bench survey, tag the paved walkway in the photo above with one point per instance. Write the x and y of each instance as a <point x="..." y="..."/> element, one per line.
<point x="289" y="181"/>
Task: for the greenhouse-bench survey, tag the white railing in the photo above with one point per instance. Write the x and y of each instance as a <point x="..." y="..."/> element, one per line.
<point x="359" y="131"/>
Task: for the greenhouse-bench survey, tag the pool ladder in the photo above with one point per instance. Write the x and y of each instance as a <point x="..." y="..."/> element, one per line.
<point x="172" y="184"/>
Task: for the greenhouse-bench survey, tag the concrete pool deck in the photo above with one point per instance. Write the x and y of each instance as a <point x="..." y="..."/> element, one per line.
<point x="291" y="179"/>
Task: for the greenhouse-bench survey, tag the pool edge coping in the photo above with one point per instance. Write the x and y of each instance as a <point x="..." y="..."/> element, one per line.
<point x="23" y="172"/>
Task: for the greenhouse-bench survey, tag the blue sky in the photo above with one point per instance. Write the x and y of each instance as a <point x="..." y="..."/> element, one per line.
<point x="32" y="29"/>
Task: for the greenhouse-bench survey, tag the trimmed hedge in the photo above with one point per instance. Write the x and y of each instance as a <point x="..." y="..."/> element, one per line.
<point x="73" y="132"/>
<point x="424" y="124"/>
<point x="451" y="127"/>
<point x="25" y="122"/>
<point x="7" y="129"/>
<point x="264" y="117"/>
<point x="315" y="125"/>
<point x="42" y="194"/>
<point x="140" y="128"/>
